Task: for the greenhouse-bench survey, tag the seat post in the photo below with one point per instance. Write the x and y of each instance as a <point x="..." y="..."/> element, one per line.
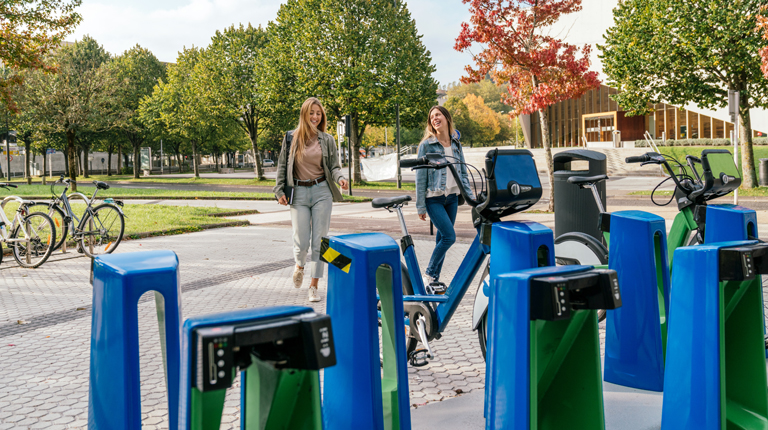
<point x="404" y="229"/>
<point x="593" y="187"/>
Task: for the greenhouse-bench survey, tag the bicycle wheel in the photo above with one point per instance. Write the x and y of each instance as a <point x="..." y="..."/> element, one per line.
<point x="57" y="215"/>
<point x="102" y="231"/>
<point x="581" y="248"/>
<point x="482" y="327"/>
<point x="40" y="238"/>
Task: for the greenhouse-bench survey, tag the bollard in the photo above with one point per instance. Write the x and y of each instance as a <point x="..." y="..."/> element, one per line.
<point x="119" y="280"/>
<point x="279" y="351"/>
<point x="715" y="370"/>
<point x="636" y="333"/>
<point x="763" y="172"/>
<point x="543" y="370"/>
<point x="368" y="389"/>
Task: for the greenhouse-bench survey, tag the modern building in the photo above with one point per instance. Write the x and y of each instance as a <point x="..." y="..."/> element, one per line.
<point x="596" y="120"/>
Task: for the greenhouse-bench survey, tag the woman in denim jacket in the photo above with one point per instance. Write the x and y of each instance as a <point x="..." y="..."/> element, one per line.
<point x="437" y="192"/>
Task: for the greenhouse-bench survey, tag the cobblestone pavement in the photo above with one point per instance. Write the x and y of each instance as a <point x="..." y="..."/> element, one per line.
<point x="45" y="324"/>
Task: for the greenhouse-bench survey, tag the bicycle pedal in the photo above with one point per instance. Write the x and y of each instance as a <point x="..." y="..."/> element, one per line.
<point x="438" y="288"/>
<point x="418" y="358"/>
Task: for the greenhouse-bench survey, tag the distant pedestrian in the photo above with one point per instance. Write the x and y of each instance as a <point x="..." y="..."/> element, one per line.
<point x="307" y="172"/>
<point x="437" y="192"/>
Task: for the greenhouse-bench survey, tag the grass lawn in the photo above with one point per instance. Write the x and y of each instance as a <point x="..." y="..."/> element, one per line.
<point x="156" y="218"/>
<point x="680" y="152"/>
<point x="44" y="191"/>
<point x="408" y="186"/>
<point x="743" y="192"/>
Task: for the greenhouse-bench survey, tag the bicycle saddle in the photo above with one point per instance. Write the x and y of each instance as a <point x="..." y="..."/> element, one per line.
<point x="385" y="202"/>
<point x="585" y="180"/>
<point x="101" y="185"/>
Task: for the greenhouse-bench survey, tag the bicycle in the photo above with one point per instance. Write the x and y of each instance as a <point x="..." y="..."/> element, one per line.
<point x="31" y="234"/>
<point x="101" y="228"/>
<point x="511" y="184"/>
<point x="691" y="193"/>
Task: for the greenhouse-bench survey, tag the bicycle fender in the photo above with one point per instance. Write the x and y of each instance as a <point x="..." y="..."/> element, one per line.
<point x="480" y="307"/>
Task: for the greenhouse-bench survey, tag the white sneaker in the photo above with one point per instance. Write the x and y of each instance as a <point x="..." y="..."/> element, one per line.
<point x="312" y="295"/>
<point x="298" y="277"/>
<point x="427" y="279"/>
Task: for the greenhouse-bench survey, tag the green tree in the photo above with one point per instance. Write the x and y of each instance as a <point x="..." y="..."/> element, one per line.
<point x="29" y="31"/>
<point x="360" y="57"/>
<point x="179" y="105"/>
<point x="491" y="93"/>
<point x="462" y="120"/>
<point x="681" y="52"/>
<point x="233" y="68"/>
<point x="80" y="98"/>
<point x="138" y="71"/>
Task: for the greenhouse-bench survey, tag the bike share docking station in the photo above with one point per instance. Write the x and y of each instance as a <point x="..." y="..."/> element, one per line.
<point x="716" y="371"/>
<point x="119" y="280"/>
<point x="279" y="352"/>
<point x="544" y="352"/>
<point x="368" y="388"/>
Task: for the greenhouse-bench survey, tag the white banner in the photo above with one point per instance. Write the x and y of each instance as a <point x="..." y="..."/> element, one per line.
<point x="379" y="168"/>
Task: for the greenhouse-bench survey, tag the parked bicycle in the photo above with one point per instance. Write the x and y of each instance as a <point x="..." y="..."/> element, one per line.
<point x="30" y="235"/>
<point x="719" y="177"/>
<point x="510" y="185"/>
<point x="97" y="231"/>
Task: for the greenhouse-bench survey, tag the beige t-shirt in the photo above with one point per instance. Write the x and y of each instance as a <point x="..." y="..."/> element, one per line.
<point x="311" y="165"/>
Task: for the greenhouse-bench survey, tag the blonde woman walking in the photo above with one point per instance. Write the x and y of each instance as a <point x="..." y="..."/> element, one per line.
<point x="308" y="169"/>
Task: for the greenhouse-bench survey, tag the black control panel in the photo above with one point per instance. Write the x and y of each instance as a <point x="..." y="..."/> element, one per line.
<point x="302" y="342"/>
<point x="743" y="263"/>
<point x="556" y="297"/>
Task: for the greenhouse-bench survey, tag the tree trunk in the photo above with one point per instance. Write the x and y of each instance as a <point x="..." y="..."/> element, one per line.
<point x="136" y="162"/>
<point x="71" y="158"/>
<point x="109" y="162"/>
<point x="119" y="159"/>
<point x="355" y="155"/>
<point x="178" y="160"/>
<point x="257" y="163"/>
<point x="548" y="159"/>
<point x="27" y="154"/>
<point x="748" y="175"/>
<point x="86" y="173"/>
<point x="195" y="167"/>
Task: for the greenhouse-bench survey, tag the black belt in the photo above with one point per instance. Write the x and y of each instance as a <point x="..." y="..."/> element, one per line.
<point x="310" y="182"/>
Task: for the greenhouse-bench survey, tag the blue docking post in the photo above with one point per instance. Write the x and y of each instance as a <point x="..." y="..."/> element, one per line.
<point x="356" y="394"/>
<point x="520" y="245"/>
<point x="715" y="370"/>
<point x="729" y="222"/>
<point x="636" y="333"/>
<point x="543" y="363"/>
<point x="119" y="280"/>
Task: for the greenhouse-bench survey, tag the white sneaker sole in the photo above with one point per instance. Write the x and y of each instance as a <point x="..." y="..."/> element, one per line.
<point x="298" y="278"/>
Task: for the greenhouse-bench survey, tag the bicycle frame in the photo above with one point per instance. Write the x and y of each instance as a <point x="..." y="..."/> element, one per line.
<point x="448" y="303"/>
<point x="71" y="214"/>
<point x="16" y="219"/>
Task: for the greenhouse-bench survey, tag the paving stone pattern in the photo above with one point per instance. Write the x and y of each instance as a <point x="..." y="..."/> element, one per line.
<point x="221" y="270"/>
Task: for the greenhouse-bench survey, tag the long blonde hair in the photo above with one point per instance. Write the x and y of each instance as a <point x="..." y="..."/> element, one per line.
<point x="305" y="130"/>
<point x="430" y="131"/>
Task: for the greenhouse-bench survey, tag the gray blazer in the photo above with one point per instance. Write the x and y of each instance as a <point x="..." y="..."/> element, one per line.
<point x="331" y="166"/>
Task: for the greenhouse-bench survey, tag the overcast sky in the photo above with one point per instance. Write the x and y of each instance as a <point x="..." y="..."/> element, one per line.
<point x="166" y="26"/>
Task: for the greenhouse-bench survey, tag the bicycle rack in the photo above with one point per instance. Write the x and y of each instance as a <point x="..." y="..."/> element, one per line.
<point x="636" y="333"/>
<point x="279" y="352"/>
<point x="543" y="370"/>
<point x="715" y="370"/>
<point x="366" y="390"/>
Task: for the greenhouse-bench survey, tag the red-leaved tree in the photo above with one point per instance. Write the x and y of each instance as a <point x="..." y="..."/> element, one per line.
<point x="762" y="24"/>
<point x="516" y="49"/>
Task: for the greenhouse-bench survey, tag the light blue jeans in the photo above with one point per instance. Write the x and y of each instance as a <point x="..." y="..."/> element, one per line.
<point x="311" y="219"/>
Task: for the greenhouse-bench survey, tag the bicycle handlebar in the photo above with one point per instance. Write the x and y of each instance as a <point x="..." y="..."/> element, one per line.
<point x="639" y="159"/>
<point x="414" y="162"/>
<point x="6" y="185"/>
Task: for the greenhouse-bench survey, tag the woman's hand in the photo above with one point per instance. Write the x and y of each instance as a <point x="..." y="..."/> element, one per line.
<point x="344" y="184"/>
<point x="283" y="200"/>
<point x="423" y="217"/>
